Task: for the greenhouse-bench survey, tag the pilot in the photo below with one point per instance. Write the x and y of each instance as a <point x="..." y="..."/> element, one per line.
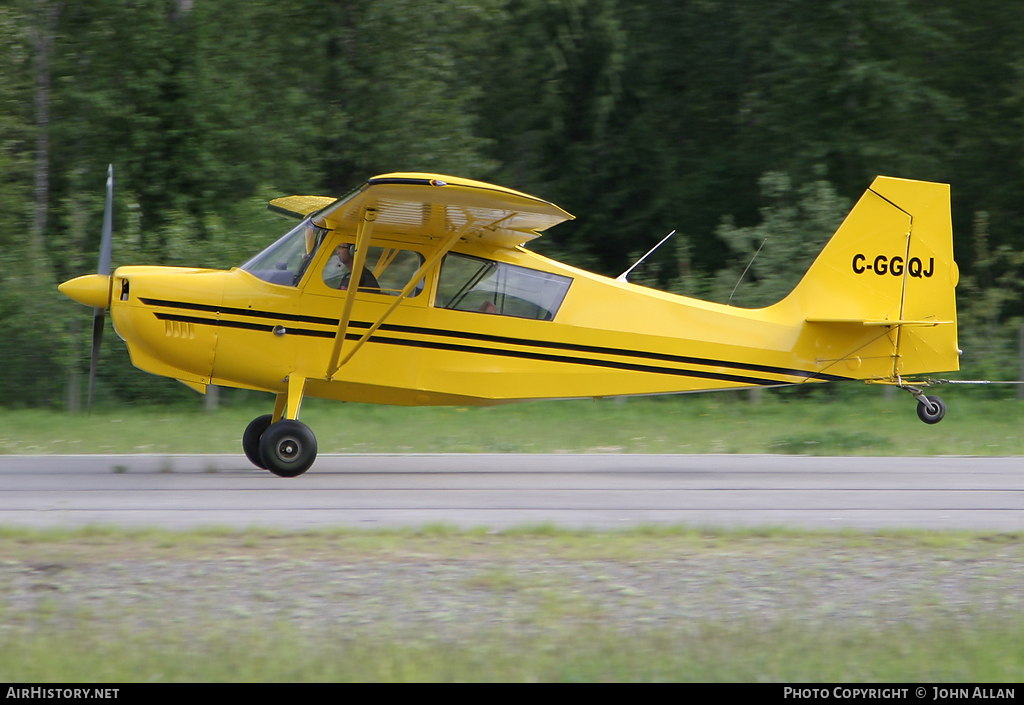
<point x="338" y="271"/>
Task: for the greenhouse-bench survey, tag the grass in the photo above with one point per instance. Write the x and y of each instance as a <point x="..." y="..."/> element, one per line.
<point x="567" y="642"/>
<point x="98" y="544"/>
<point x="978" y="654"/>
<point x="859" y="423"/>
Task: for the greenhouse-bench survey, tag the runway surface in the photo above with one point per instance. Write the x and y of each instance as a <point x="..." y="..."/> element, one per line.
<point x="499" y="491"/>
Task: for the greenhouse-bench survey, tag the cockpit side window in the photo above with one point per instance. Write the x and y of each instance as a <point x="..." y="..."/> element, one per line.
<point x="475" y="284"/>
<point x="387" y="270"/>
<point x="286" y="260"/>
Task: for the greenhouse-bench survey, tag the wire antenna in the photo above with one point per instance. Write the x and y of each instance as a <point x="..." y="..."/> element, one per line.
<point x="622" y="277"/>
<point x="745" y="270"/>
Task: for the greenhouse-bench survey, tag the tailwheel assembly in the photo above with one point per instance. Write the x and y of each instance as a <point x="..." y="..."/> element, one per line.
<point x="930" y="408"/>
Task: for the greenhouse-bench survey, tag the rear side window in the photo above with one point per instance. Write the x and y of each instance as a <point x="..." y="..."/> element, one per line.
<point x="484" y="286"/>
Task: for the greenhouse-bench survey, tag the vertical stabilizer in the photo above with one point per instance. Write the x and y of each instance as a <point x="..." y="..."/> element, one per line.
<point x="882" y="292"/>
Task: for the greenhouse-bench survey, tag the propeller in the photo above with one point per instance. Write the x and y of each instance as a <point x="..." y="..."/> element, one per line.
<point x="99" y="313"/>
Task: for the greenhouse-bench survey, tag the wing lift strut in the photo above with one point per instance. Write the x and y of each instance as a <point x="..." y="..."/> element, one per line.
<point x="336" y="361"/>
<point x="289" y="402"/>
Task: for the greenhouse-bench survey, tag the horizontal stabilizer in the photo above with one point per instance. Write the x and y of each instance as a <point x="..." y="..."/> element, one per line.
<point x="886" y="322"/>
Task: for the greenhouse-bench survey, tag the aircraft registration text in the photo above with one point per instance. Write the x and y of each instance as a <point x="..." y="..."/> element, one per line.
<point x="894" y="266"/>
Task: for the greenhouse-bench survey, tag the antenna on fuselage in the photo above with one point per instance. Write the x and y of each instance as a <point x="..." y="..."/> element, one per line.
<point x="622" y="277"/>
<point x="745" y="270"/>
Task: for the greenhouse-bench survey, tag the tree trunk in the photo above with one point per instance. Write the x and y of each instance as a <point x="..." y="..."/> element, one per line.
<point x="73" y="389"/>
<point x="1020" y="362"/>
<point x="41" y="36"/>
<point x="212" y="400"/>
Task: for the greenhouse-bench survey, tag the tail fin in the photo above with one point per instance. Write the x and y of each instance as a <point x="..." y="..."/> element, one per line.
<point x="880" y="296"/>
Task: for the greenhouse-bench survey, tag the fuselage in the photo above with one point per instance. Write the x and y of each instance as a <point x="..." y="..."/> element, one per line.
<point x="451" y="308"/>
<point x="607" y="338"/>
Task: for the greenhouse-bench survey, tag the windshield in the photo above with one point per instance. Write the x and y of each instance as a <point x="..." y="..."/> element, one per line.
<point x="286" y="260"/>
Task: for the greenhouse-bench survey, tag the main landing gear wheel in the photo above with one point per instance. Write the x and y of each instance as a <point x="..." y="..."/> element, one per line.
<point x="933" y="412"/>
<point x="251" y="439"/>
<point x="287" y="448"/>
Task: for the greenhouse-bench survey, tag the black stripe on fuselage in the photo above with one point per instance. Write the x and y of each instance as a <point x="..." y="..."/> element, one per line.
<point x="245" y="325"/>
<point x="455" y="347"/>
<point x="487" y="338"/>
<point x="210" y="308"/>
<point x="611" y="364"/>
<point x="665" y="357"/>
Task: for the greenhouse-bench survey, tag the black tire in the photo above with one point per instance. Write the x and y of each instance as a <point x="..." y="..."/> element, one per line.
<point x="931" y="414"/>
<point x="251" y="439"/>
<point x="288" y="448"/>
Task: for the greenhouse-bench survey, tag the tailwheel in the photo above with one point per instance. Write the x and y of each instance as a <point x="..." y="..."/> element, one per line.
<point x="933" y="411"/>
<point x="251" y="439"/>
<point x="287" y="448"/>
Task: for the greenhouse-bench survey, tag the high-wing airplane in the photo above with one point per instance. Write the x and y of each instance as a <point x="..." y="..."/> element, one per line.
<point x="416" y="289"/>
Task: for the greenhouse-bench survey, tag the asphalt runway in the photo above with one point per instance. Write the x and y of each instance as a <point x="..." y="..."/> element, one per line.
<point x="500" y="491"/>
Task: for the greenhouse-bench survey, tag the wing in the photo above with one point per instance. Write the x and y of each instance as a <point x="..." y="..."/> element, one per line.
<point x="300" y="206"/>
<point x="429" y="206"/>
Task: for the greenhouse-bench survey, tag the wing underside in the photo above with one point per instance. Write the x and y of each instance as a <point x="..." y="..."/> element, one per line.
<point x="428" y="207"/>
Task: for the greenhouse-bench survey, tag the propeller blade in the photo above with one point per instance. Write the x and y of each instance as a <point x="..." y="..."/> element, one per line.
<point x="99" y="314"/>
<point x="106" y="244"/>
<point x="98" y="318"/>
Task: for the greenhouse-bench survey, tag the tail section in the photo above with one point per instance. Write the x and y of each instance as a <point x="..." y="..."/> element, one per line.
<point x="880" y="297"/>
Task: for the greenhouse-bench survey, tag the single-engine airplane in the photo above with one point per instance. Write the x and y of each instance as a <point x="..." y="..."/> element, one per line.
<point x="416" y="289"/>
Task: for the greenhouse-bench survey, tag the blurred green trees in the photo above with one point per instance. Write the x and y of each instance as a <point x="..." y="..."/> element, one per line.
<point x="738" y="124"/>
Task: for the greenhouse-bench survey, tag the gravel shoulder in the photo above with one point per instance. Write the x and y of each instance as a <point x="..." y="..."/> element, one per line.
<point x="456" y="586"/>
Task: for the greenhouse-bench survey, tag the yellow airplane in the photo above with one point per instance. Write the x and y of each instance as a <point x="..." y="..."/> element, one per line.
<point x="452" y="309"/>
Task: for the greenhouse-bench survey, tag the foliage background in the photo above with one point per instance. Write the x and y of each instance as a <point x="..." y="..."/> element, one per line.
<point x="736" y="124"/>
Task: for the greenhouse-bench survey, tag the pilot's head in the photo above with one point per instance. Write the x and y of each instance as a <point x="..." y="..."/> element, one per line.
<point x="345" y="253"/>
